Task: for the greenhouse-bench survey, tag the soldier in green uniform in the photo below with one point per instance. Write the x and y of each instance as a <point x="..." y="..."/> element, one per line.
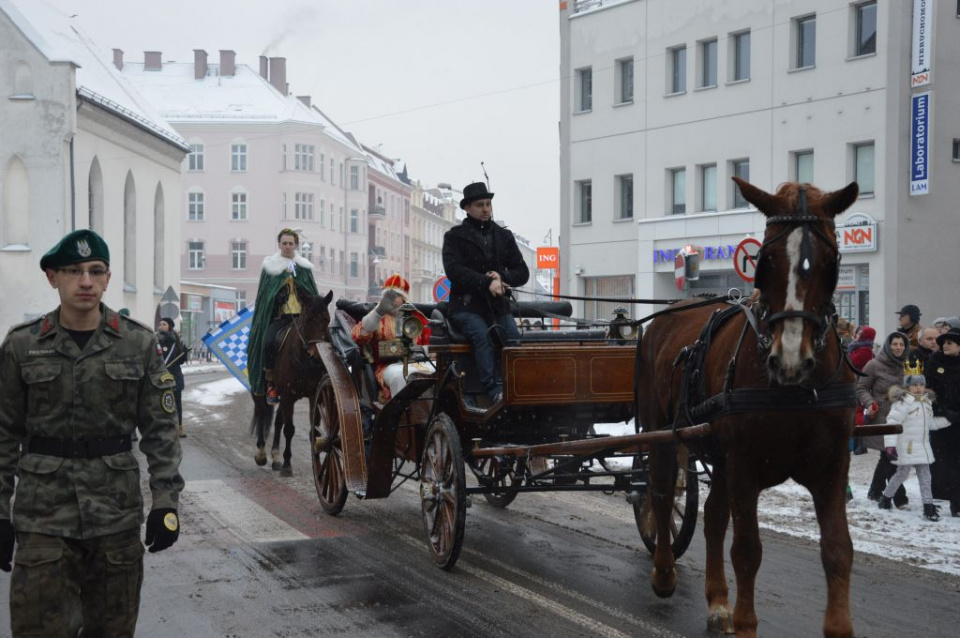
<point x="73" y="385"/>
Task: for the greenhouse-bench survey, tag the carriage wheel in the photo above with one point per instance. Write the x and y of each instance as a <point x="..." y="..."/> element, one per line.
<point x="683" y="522"/>
<point x="503" y="484"/>
<point x="328" y="474"/>
<point x="443" y="494"/>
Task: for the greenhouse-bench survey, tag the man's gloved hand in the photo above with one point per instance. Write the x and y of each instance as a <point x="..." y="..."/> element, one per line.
<point x="163" y="529"/>
<point x="389" y="302"/>
<point x="7" y="538"/>
<point x="892" y="453"/>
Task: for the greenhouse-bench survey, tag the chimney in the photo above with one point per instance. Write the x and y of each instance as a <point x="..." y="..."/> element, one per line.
<point x="228" y="63"/>
<point x="118" y="59"/>
<point x="305" y="99"/>
<point x="199" y="64"/>
<point x="278" y="74"/>
<point x="263" y="68"/>
<point x="152" y="60"/>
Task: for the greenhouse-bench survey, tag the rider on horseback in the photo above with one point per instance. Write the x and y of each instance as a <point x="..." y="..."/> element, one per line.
<point x="284" y="276"/>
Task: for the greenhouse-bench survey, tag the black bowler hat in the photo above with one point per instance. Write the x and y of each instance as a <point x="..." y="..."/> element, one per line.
<point x="953" y="334"/>
<point x="911" y="311"/>
<point x="473" y="192"/>
<point x="75" y="248"/>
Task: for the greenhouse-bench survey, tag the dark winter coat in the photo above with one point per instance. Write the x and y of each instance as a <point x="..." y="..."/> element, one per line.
<point x="943" y="378"/>
<point x="473" y="249"/>
<point x="882" y="372"/>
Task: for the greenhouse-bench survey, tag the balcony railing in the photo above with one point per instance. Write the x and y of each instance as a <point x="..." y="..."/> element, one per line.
<point x="378" y="251"/>
<point x="377" y="211"/>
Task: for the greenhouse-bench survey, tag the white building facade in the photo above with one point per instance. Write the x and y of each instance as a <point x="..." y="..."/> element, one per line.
<point x="79" y="148"/>
<point x="663" y="102"/>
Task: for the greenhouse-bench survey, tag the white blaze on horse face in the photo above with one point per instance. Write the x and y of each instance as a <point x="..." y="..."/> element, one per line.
<point x="791" y="338"/>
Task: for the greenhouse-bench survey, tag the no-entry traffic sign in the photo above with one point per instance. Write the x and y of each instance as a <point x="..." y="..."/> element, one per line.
<point x="745" y="259"/>
<point x="441" y="289"/>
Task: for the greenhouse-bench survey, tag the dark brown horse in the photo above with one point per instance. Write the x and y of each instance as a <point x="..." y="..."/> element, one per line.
<point x="779" y="390"/>
<point x="296" y="375"/>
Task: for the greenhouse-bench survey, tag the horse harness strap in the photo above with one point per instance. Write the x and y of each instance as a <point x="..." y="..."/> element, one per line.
<point x="782" y="399"/>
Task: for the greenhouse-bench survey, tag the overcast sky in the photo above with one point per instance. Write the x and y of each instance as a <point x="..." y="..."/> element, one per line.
<point x="442" y="84"/>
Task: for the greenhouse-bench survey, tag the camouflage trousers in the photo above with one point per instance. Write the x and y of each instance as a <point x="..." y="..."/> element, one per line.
<point x="60" y="584"/>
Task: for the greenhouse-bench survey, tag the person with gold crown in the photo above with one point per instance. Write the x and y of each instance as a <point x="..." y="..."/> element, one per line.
<point x="379" y="325"/>
<point x="912" y="408"/>
<point x="284" y="277"/>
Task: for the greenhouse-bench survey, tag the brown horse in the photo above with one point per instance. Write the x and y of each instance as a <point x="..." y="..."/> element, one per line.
<point x="781" y="405"/>
<point x="296" y="375"/>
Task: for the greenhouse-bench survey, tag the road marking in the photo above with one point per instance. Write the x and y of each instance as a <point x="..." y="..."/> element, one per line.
<point x="242" y="517"/>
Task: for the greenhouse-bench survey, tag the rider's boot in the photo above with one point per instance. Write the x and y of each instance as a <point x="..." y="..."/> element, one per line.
<point x="273" y="397"/>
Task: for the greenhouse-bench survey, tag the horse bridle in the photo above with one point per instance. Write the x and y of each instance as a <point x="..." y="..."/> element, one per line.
<point x="309" y="346"/>
<point x="808" y="222"/>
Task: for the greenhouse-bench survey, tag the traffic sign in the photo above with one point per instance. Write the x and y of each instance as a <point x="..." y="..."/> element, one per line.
<point x="745" y="259"/>
<point x="441" y="289"/>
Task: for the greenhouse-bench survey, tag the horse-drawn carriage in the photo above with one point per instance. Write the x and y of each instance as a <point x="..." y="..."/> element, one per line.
<point x="440" y="427"/>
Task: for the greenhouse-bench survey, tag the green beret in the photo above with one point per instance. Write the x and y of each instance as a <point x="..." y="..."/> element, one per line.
<point x="77" y="247"/>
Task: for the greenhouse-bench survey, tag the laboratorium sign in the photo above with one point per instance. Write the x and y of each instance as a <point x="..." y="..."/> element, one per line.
<point x="922" y="53"/>
<point x="920" y="143"/>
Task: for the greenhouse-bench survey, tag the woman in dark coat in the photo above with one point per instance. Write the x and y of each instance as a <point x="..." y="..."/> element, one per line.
<point x="943" y="377"/>
<point x="884" y="371"/>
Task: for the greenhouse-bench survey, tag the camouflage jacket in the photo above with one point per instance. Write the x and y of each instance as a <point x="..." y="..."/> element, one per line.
<point x="49" y="388"/>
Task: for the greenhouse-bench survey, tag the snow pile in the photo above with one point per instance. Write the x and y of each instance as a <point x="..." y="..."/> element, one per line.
<point x="214" y="393"/>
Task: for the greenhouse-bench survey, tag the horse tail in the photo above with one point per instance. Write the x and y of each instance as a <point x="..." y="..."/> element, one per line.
<point x="262" y="418"/>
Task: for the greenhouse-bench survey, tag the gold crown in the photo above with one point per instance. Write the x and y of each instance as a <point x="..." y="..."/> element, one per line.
<point x="912" y="370"/>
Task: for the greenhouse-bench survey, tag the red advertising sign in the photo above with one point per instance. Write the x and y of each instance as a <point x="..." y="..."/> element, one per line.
<point x="548" y="257"/>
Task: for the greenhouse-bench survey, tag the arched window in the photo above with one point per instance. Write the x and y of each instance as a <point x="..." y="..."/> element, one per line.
<point x="15" y="206"/>
<point x="95" y="197"/>
<point x="158" y="240"/>
<point x="130" y="232"/>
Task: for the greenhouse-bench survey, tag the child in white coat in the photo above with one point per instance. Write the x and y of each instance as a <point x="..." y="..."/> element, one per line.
<point x="913" y="410"/>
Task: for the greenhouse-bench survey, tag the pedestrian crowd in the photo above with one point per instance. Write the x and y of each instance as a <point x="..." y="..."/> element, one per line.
<point x="911" y="378"/>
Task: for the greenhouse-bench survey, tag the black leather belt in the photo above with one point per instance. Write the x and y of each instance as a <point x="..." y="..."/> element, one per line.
<point x="78" y="448"/>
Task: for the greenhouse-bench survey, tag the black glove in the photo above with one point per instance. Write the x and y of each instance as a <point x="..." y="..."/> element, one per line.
<point x="7" y="538"/>
<point x="163" y="529"/>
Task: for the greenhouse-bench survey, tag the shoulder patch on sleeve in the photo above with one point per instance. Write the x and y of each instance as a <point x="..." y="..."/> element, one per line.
<point x="166" y="377"/>
<point x="169" y="402"/>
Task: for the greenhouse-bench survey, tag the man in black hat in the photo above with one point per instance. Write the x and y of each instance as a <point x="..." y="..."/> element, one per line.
<point x="483" y="262"/>
<point x="910" y="323"/>
<point x="74" y="384"/>
<point x="943" y="378"/>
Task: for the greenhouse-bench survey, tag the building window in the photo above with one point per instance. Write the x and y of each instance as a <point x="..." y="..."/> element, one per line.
<point x="625" y="196"/>
<point x="323" y="163"/>
<point x="956" y="141"/>
<point x="621" y="287"/>
<point x="303" y="206"/>
<point x="708" y="63"/>
<point x="354" y="178"/>
<point x="238" y="250"/>
<point x="863" y="155"/>
<point x="303" y="157"/>
<point x="241" y="300"/>
<point x="195" y="207"/>
<point x="741" y="169"/>
<point x="806" y="41"/>
<point x="741" y="56"/>
<point x="306" y="251"/>
<point x="708" y="187"/>
<point x="341" y="262"/>
<point x="585" y="89"/>
<point x="585" y="198"/>
<point x="354" y="220"/>
<point x="238" y="158"/>
<point x="238" y="208"/>
<point x="866" y="29"/>
<point x="195" y="158"/>
<point x="803" y="166"/>
<point x="354" y="265"/>
<point x="624" y="81"/>
<point x="195" y="255"/>
<point x="677" y="59"/>
<point x="333" y="260"/>
<point x="678" y="191"/>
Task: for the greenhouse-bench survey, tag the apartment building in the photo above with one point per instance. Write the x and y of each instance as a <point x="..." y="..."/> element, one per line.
<point x="388" y="203"/>
<point x="663" y="102"/>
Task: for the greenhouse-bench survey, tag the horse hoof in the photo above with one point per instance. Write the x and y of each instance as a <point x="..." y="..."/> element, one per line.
<point x="664" y="586"/>
<point x="261" y="458"/>
<point x="720" y="621"/>
<point x="276" y="466"/>
<point x="286" y="471"/>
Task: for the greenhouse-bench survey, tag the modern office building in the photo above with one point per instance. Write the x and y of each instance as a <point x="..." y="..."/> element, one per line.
<point x="663" y="102"/>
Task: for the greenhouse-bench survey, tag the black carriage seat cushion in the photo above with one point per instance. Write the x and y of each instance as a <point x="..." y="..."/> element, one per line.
<point x="341" y="333"/>
<point x="566" y="336"/>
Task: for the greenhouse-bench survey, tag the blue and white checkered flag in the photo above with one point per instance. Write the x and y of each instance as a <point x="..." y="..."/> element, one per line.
<point x="228" y="343"/>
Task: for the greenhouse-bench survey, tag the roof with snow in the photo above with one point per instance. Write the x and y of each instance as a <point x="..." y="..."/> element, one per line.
<point x="59" y="39"/>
